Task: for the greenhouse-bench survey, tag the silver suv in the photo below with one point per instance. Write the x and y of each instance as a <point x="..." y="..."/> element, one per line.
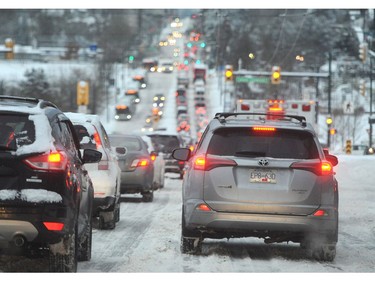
<point x="255" y="175"/>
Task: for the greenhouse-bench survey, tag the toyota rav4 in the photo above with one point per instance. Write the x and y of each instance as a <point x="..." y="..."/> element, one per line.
<point x="257" y="175"/>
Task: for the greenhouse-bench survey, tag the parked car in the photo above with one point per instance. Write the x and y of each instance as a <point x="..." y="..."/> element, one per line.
<point x="165" y="143"/>
<point x="137" y="168"/>
<point x="42" y="177"/>
<point x="105" y="175"/>
<point x="260" y="178"/>
<point x="159" y="164"/>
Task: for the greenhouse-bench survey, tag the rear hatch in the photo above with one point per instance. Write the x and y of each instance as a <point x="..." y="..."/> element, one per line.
<point x="252" y="172"/>
<point x="23" y="169"/>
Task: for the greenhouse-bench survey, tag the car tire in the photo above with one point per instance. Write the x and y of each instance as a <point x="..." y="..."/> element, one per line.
<point x="104" y="222"/>
<point x="65" y="262"/>
<point x="148" y="197"/>
<point x="117" y="212"/>
<point x="84" y="249"/>
<point x="191" y="242"/>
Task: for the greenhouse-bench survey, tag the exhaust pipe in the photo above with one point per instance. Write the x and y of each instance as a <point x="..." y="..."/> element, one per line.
<point x="19" y="240"/>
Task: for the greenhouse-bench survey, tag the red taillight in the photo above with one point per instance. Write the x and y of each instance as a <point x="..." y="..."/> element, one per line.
<point x="245" y="106"/>
<point x="208" y="163"/>
<point x="54" y="161"/>
<point x="153" y="157"/>
<point x="320" y="213"/>
<point x="203" y="207"/>
<point x="139" y="163"/>
<point x="54" y="226"/>
<point x="294" y="105"/>
<point x="320" y="168"/>
<point x="97" y="140"/>
<point x="306" y="107"/>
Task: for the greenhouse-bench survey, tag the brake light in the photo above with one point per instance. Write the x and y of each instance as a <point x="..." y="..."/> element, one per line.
<point x="306" y="107"/>
<point x="264" y="129"/>
<point x="139" y="163"/>
<point x="294" y="106"/>
<point x="203" y="207"/>
<point x="245" y="106"/>
<point x="208" y="163"/>
<point x="153" y="157"/>
<point x="97" y="139"/>
<point x="54" y="161"/>
<point x="54" y="226"/>
<point x="320" y="213"/>
<point x="320" y="168"/>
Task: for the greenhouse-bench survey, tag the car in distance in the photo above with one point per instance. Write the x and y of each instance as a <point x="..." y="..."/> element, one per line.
<point x="261" y="178"/>
<point x="105" y="175"/>
<point x="159" y="163"/>
<point x="137" y="168"/>
<point x="165" y="143"/>
<point x="46" y="194"/>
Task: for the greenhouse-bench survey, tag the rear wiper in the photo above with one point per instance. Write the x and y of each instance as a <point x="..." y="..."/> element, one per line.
<point x="250" y="153"/>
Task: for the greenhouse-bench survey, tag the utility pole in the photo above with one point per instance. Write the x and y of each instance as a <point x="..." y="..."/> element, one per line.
<point x="329" y="95"/>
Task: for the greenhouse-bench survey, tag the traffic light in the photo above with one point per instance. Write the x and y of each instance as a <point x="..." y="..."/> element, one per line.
<point x="363" y="52"/>
<point x="228" y="73"/>
<point x="362" y="88"/>
<point x="348" y="147"/>
<point x="131" y="59"/>
<point x="276" y="75"/>
<point x="332" y="131"/>
<point x="329" y="121"/>
<point x="82" y="93"/>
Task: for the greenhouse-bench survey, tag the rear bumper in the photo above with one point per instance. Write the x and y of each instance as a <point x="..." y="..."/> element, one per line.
<point x="28" y="224"/>
<point x="137" y="181"/>
<point x="214" y="224"/>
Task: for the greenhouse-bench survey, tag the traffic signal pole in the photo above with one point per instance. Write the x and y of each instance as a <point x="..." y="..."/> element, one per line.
<point x="329" y="96"/>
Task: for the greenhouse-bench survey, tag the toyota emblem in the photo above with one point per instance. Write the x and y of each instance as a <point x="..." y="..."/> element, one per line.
<point x="263" y="162"/>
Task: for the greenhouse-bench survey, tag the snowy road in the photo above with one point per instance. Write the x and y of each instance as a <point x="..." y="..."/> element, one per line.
<point x="147" y="239"/>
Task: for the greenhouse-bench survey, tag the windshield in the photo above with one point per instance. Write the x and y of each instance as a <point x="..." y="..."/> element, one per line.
<point x="16" y="131"/>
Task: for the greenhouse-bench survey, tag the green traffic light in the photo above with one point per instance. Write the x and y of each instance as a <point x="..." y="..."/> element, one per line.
<point x="203" y="44"/>
<point x="131" y="58"/>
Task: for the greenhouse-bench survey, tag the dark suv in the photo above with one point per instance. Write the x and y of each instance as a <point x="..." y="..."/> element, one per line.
<point x="46" y="195"/>
<point x="254" y="177"/>
<point x="165" y="143"/>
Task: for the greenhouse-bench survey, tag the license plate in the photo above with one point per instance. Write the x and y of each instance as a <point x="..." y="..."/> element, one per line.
<point x="262" y="176"/>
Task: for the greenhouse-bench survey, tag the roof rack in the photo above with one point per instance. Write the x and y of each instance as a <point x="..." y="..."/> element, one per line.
<point x="221" y="116"/>
<point x="38" y="102"/>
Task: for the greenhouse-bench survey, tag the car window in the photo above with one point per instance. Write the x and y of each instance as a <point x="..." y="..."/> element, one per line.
<point x="165" y="144"/>
<point x="242" y="142"/>
<point x="85" y="139"/>
<point x="131" y="144"/>
<point x="16" y="131"/>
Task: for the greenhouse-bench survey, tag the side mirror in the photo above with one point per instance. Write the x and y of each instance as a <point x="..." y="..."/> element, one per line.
<point x="181" y="154"/>
<point x="91" y="156"/>
<point x="120" y="150"/>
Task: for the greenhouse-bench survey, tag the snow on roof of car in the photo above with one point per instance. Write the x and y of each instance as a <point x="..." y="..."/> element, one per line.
<point x="43" y="137"/>
<point x="82" y="117"/>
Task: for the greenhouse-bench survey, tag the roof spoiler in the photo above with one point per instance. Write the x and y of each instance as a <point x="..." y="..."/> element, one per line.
<point x="221" y="116"/>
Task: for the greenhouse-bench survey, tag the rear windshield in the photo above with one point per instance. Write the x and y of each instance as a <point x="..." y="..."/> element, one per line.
<point x="165" y="144"/>
<point x="243" y="142"/>
<point x="131" y="144"/>
<point x="16" y="131"/>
